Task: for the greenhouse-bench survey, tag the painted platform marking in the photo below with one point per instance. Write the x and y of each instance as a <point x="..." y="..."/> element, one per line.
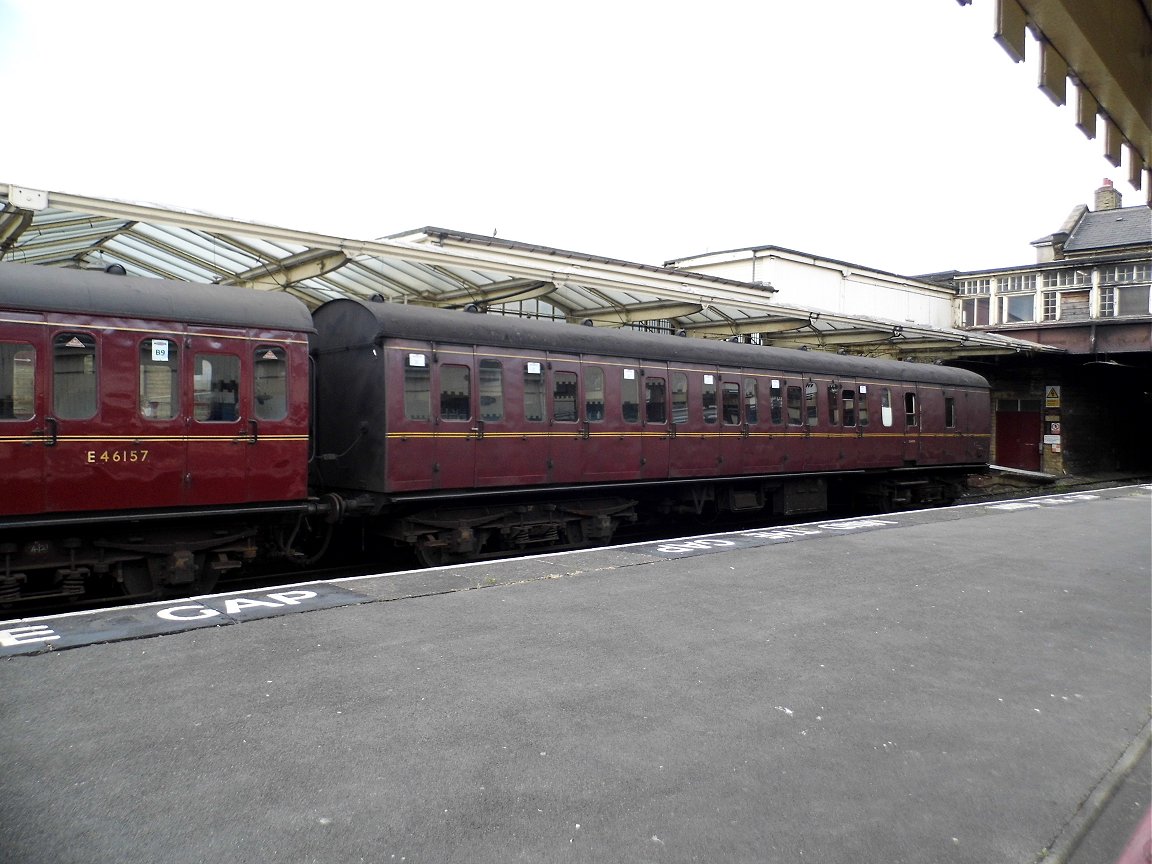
<point x="34" y="636"/>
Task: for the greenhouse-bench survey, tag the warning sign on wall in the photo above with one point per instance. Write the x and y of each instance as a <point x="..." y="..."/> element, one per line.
<point x="1052" y="396"/>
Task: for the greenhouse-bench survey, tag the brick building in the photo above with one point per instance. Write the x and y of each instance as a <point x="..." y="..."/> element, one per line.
<point x="1089" y="409"/>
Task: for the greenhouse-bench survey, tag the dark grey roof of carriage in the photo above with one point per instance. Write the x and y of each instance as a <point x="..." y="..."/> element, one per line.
<point x="349" y="324"/>
<point x="86" y="292"/>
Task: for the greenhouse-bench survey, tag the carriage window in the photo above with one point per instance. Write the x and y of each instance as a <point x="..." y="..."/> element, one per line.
<point x="811" y="408"/>
<point x="417" y="388"/>
<point x="849" y="399"/>
<point x="74" y="376"/>
<point x="886" y="406"/>
<point x="630" y="396"/>
<point x="270" y="371"/>
<point x="534" y="391"/>
<point x="950" y="412"/>
<point x="679" y="397"/>
<point x="833" y="405"/>
<point x="455" y="392"/>
<point x="751" y="400"/>
<point x="731" y="404"/>
<point x="491" y="391"/>
<point x="594" y="394"/>
<point x="776" y="401"/>
<point x="862" y="409"/>
<point x="795" y="402"/>
<point x="655" y="401"/>
<point x="911" y="417"/>
<point x="564" y="397"/>
<point x="17" y="381"/>
<point x="217" y="378"/>
<point x="159" y="379"/>
<point x="708" y="398"/>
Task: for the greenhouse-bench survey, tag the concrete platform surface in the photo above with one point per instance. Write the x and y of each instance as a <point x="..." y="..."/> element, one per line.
<point x="956" y="685"/>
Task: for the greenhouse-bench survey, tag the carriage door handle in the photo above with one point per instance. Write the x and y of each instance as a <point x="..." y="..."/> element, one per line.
<point x="254" y="426"/>
<point x="477" y="430"/>
<point x="52" y="428"/>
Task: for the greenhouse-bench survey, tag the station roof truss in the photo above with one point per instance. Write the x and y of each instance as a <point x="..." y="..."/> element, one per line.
<point x="438" y="267"/>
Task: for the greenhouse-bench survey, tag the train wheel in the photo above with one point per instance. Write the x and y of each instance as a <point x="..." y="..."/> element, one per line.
<point x="431" y="553"/>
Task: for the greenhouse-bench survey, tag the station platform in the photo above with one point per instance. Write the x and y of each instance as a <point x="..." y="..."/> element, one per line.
<point x="969" y="684"/>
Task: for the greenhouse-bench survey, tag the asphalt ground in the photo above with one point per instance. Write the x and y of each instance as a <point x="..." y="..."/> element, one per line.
<point x="960" y="685"/>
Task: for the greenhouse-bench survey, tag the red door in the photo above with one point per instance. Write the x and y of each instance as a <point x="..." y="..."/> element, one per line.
<point x="512" y="445"/>
<point x="216" y="419"/>
<point x="733" y="430"/>
<point x="694" y="445"/>
<point x="23" y="364"/>
<point x="614" y="427"/>
<point x="567" y="445"/>
<point x="912" y="418"/>
<point x="454" y="419"/>
<point x="654" y="417"/>
<point x="1018" y="439"/>
<point x="278" y="424"/>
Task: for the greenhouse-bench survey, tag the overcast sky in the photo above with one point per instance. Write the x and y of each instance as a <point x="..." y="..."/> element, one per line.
<point x="894" y="134"/>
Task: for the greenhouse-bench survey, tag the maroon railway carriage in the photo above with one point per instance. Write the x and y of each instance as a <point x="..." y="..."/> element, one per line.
<point x="148" y="429"/>
<point x="472" y="432"/>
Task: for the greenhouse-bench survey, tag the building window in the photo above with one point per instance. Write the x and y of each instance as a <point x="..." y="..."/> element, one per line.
<point x="1065" y="278"/>
<point x="975" y="286"/>
<point x="1017" y="307"/>
<point x="1132" y="300"/>
<point x="1107" y="302"/>
<point x="1019" y="282"/>
<point x="974" y="312"/>
<point x="1127" y="273"/>
<point x="1050" y="306"/>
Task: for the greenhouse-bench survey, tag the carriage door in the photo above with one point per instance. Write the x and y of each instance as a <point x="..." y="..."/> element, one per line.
<point x="278" y="424"/>
<point x="567" y="427"/>
<point x="455" y="419"/>
<point x="912" y="419"/>
<point x="216" y="419"/>
<point x="23" y="427"/>
<point x="654" y="414"/>
<point x="511" y="415"/>
<point x="733" y="430"/>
